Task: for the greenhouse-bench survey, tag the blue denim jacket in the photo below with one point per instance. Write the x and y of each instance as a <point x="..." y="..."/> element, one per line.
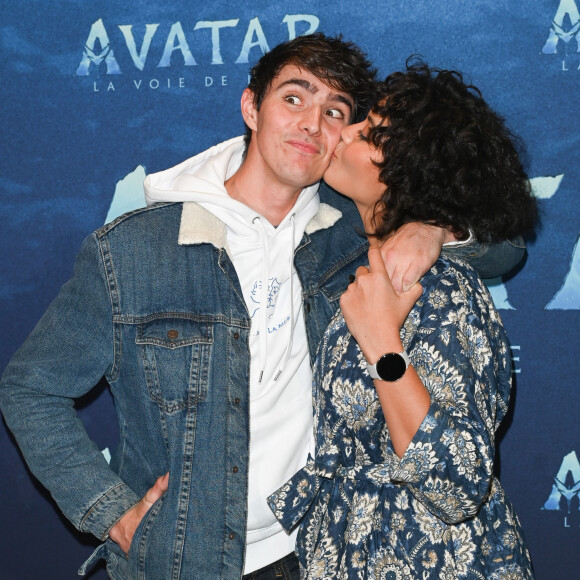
<point x="166" y="324"/>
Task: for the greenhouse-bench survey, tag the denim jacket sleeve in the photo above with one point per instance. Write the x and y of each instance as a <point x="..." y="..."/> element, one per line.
<point x="490" y="260"/>
<point x="64" y="357"/>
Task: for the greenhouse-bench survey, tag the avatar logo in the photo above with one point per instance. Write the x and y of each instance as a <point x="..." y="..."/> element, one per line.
<point x="99" y="48"/>
<point x="565" y="27"/>
<point x="566" y="485"/>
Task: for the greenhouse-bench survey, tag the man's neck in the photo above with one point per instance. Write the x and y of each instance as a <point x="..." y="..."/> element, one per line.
<point x="252" y="187"/>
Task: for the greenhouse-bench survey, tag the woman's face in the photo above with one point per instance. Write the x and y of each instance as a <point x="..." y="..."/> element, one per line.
<point x="352" y="171"/>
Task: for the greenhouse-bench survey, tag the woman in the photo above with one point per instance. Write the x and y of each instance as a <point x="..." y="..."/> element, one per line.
<point x="402" y="485"/>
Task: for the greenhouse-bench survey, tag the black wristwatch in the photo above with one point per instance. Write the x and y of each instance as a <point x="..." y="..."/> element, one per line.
<point x="390" y="367"/>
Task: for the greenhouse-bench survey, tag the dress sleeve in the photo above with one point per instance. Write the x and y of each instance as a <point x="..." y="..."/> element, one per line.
<point x="459" y="348"/>
<point x="64" y="357"/>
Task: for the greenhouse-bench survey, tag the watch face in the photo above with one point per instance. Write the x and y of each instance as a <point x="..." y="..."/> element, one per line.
<point x="391" y="367"/>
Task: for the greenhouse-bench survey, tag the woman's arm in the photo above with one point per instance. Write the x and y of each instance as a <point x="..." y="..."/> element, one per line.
<point x="374" y="313"/>
<point x="459" y="350"/>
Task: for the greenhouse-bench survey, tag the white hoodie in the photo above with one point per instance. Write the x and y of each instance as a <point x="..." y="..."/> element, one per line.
<point x="281" y="433"/>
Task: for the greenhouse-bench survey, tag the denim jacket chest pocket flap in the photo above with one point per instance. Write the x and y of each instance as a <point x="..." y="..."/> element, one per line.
<point x="176" y="354"/>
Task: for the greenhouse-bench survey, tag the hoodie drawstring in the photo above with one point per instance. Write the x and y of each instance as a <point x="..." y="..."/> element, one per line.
<point x="264" y="293"/>
<point x="263" y="310"/>
<point x="291" y="276"/>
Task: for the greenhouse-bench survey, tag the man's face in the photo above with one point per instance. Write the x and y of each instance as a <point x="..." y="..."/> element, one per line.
<point x="297" y="127"/>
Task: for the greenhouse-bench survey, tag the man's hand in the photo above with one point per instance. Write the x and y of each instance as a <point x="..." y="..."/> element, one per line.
<point x="411" y="251"/>
<point x="122" y="532"/>
<point x="373" y="311"/>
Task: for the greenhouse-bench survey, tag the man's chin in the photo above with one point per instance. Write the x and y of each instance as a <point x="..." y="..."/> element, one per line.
<point x="309" y="178"/>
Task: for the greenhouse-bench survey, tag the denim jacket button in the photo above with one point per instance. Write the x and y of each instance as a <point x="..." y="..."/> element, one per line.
<point x="237" y="400"/>
<point x="231" y="536"/>
<point x="235" y="469"/>
<point x="236" y="335"/>
<point x="172" y="334"/>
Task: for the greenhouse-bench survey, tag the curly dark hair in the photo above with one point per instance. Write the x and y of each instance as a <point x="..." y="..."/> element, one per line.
<point x="448" y="159"/>
<point x="339" y="63"/>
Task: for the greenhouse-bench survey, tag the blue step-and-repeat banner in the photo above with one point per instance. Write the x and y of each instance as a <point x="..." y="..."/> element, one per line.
<point x="96" y="94"/>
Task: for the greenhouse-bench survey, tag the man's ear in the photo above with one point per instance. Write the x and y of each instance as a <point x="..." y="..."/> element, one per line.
<point x="249" y="111"/>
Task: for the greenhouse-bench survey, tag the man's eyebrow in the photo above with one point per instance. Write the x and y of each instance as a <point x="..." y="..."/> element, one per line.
<point x="313" y="90"/>
<point x="300" y="82"/>
<point x="342" y="99"/>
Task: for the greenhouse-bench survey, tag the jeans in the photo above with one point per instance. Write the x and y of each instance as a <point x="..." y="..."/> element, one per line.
<point x="286" y="568"/>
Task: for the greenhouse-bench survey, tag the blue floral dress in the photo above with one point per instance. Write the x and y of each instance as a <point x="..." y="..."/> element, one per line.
<point x="438" y="512"/>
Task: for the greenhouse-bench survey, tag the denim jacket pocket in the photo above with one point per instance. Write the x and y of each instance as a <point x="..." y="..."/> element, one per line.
<point x="121" y="566"/>
<point x="139" y="555"/>
<point x="170" y="344"/>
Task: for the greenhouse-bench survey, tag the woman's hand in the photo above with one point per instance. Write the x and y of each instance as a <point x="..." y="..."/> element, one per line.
<point x="373" y="311"/>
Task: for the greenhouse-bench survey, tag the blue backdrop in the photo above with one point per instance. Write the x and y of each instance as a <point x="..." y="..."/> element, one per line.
<point x="96" y="94"/>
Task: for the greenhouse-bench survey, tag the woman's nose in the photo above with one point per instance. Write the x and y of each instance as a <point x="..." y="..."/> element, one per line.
<point x="349" y="132"/>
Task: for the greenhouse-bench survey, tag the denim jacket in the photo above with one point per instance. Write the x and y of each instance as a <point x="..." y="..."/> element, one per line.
<point x="163" y="318"/>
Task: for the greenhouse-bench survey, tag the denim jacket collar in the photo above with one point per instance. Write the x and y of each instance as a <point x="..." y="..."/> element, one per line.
<point x="199" y="226"/>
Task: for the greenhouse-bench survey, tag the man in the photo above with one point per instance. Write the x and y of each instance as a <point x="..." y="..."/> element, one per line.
<point x="204" y="317"/>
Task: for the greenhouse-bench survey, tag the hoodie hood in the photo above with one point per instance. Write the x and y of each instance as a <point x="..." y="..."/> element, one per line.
<point x="204" y="174"/>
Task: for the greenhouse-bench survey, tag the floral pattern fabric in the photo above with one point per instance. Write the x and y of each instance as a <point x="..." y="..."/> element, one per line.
<point x="438" y="512"/>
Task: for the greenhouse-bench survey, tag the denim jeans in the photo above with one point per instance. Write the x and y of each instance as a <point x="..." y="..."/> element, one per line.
<point x="286" y="568"/>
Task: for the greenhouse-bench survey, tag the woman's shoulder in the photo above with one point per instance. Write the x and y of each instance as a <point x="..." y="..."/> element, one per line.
<point x="454" y="285"/>
<point x="453" y="274"/>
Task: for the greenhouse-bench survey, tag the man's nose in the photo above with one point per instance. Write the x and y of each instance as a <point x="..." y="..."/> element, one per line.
<point x="311" y="120"/>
